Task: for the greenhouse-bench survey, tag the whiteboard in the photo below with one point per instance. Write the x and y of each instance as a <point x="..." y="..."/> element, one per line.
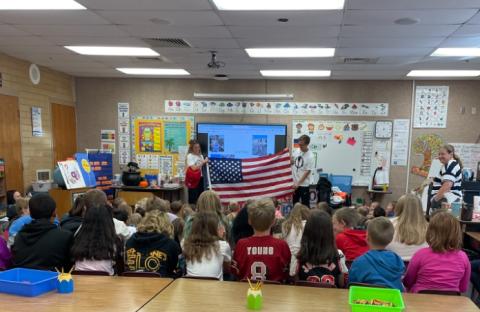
<point x="347" y="153"/>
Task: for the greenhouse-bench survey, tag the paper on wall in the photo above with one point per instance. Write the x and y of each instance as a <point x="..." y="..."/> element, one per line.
<point x="401" y="135"/>
<point x="37" y="130"/>
<point x="107" y="140"/>
<point x="166" y="165"/>
<point x="431" y="107"/>
<point x="469" y="153"/>
<point x="124" y="150"/>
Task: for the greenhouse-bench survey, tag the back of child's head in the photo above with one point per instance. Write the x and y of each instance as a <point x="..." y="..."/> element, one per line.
<point x="444" y="233"/>
<point x="324" y="206"/>
<point x="374" y="205"/>
<point x="363" y="210"/>
<point x="120" y="214"/>
<point x="42" y="206"/>
<point x="176" y="206"/>
<point x="156" y="222"/>
<point x="380" y="232"/>
<point x="294" y="220"/>
<point x="142" y="203"/>
<point x="349" y="217"/>
<point x="140" y="211"/>
<point x="203" y="236"/>
<point x="318" y="241"/>
<point x="233" y="207"/>
<point x="261" y="214"/>
<point x="118" y="201"/>
<point x="187" y="211"/>
<point x="379" y="212"/>
<point x="95" y="198"/>
<point x="134" y="219"/>
<point x="178" y="227"/>
<point x="209" y="201"/>
<point x="78" y="207"/>
<point x="155" y="203"/>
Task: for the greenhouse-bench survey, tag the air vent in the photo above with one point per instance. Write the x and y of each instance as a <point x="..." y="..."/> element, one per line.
<point x="167" y="43"/>
<point x="357" y="60"/>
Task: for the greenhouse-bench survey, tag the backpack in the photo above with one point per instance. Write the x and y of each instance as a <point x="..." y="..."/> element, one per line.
<point x="324" y="190"/>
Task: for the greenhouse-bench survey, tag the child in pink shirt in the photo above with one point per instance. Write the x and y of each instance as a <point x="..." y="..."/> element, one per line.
<point x="443" y="265"/>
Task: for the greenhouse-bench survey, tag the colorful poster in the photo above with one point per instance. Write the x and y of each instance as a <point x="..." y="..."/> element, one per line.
<point x="107" y="140"/>
<point x="71" y="174"/>
<point x="276" y="108"/>
<point x="37" y="130"/>
<point x="431" y="107"/>
<point x="86" y="169"/>
<point x="102" y="167"/>
<point x="426" y="145"/>
<point x="148" y="136"/>
<point x="175" y="135"/>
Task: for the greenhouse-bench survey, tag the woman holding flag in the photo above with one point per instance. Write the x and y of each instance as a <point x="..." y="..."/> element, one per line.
<point x="193" y="176"/>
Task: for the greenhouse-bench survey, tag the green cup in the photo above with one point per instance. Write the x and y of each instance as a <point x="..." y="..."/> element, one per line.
<point x="254" y="299"/>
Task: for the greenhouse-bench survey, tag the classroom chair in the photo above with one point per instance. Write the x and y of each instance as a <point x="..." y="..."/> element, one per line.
<point x="98" y="273"/>
<point x="312" y="284"/>
<point x="140" y="274"/>
<point x="440" y="292"/>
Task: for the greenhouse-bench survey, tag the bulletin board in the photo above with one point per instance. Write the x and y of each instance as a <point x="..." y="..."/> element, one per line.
<point x="344" y="148"/>
<point x="156" y="137"/>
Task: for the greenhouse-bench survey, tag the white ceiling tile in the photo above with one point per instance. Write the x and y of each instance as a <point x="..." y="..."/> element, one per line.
<point x="386" y="42"/>
<point x="146" y="4"/>
<point x="88" y="40"/>
<point x="468" y="30"/>
<point x="23" y="41"/>
<point x="459" y="42"/>
<point x="398" y="31"/>
<point x="272" y="63"/>
<point x="372" y="74"/>
<point x="47" y="17"/>
<point x="475" y="20"/>
<point x="175" y="18"/>
<point x="213" y="43"/>
<point x="382" y="52"/>
<point x="296" y="18"/>
<point x="283" y="31"/>
<point x="300" y="41"/>
<point x="153" y="31"/>
<point x="7" y="30"/>
<point x="426" y="17"/>
<point x="74" y="30"/>
<point x="37" y="49"/>
<point x="412" y="4"/>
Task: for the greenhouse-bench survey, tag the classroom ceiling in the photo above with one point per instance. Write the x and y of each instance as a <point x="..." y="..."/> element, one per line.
<point x="364" y="29"/>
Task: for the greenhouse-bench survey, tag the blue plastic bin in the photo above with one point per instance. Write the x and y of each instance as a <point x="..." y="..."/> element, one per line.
<point x="27" y="282"/>
<point x="343" y="182"/>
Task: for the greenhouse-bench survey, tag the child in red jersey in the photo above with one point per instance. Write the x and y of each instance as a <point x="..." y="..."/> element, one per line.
<point x="261" y="256"/>
<point x="353" y="242"/>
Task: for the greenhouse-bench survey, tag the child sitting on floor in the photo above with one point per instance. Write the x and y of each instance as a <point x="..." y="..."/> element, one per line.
<point x="292" y="231"/>
<point x="319" y="259"/>
<point x="205" y="253"/>
<point x="261" y="256"/>
<point x="351" y="241"/>
<point x="443" y="265"/>
<point x="378" y="266"/>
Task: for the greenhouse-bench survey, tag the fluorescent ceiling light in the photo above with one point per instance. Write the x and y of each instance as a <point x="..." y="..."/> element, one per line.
<point x="457" y="52"/>
<point x="40" y="5"/>
<point x="444" y="73"/>
<point x="155" y="71"/>
<point x="291" y="52"/>
<point x="113" y="51"/>
<point x="295" y="73"/>
<point x="278" y="5"/>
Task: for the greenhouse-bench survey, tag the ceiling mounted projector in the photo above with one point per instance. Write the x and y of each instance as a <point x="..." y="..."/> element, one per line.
<point x="214" y="64"/>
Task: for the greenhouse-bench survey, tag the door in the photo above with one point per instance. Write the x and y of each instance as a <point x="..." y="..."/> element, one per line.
<point x="10" y="142"/>
<point x="64" y="132"/>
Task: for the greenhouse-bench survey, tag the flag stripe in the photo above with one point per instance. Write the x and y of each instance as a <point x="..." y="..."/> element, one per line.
<point x="275" y="159"/>
<point x="270" y="175"/>
<point x="266" y="186"/>
<point x="268" y="169"/>
<point x="257" y="159"/>
<point x="241" y="199"/>
<point x="258" y="193"/>
<point x="244" y="185"/>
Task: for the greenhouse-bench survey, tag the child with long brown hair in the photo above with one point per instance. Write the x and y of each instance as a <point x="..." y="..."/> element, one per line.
<point x="205" y="253"/>
<point x="443" y="265"/>
<point x="292" y="231"/>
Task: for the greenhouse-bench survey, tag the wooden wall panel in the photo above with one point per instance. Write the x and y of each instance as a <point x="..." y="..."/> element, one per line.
<point x="63" y="132"/>
<point x="10" y="141"/>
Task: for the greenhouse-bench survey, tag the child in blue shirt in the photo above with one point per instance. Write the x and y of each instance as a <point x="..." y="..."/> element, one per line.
<point x="378" y="266"/>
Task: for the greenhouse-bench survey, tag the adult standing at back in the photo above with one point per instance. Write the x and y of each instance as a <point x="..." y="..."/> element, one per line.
<point x="447" y="185"/>
<point x="194" y="176"/>
<point x="302" y="166"/>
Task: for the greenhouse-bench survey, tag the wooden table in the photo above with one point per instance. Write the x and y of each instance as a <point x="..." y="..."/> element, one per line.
<point x="474" y="235"/>
<point x="132" y="194"/>
<point x="92" y="293"/>
<point x="185" y="295"/>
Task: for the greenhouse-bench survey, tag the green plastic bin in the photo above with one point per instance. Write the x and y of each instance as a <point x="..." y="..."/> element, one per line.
<point x="368" y="293"/>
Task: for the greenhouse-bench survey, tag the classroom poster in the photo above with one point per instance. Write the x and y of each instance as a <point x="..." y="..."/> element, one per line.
<point x="276" y="108"/>
<point x="431" y="107"/>
<point x="107" y="140"/>
<point x="148" y="136"/>
<point x="175" y="134"/>
<point x="102" y="167"/>
<point x="37" y="130"/>
<point x="124" y="146"/>
<point x="401" y="136"/>
<point x="86" y="169"/>
<point x="469" y="153"/>
<point x="71" y="174"/>
<point x="166" y="165"/>
<point x="426" y="145"/>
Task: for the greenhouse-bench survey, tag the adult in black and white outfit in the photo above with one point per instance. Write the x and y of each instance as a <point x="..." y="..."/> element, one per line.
<point x="302" y="166"/>
<point x="195" y="161"/>
<point x="448" y="182"/>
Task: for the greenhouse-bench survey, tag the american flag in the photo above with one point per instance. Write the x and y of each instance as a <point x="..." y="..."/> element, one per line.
<point x="239" y="180"/>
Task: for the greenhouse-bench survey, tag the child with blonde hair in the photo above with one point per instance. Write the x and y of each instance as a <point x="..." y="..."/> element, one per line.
<point x="443" y="265"/>
<point x="292" y="231"/>
<point x="410" y="227"/>
<point x="152" y="248"/>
